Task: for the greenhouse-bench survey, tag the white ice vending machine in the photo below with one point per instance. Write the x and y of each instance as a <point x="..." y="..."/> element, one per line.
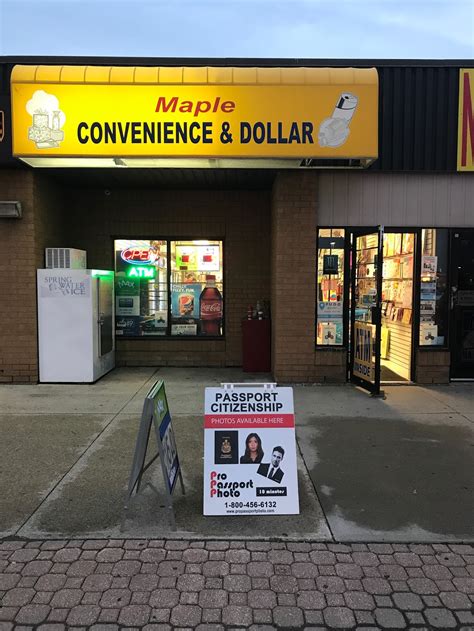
<point x="75" y="324"/>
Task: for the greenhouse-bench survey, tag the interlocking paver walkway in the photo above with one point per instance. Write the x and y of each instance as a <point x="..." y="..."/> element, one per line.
<point x="215" y="585"/>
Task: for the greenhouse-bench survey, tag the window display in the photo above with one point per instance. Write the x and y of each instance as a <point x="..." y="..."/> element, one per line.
<point x="141" y="296"/>
<point x="433" y="287"/>
<point x="196" y="288"/>
<point x="397" y="275"/>
<point x="330" y="287"/>
<point x="167" y="288"/>
<point x="365" y="272"/>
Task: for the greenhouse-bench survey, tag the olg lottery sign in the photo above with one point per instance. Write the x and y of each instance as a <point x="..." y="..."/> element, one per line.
<point x="250" y="452"/>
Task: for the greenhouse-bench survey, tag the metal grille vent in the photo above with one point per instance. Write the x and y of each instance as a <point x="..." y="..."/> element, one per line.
<point x="65" y="258"/>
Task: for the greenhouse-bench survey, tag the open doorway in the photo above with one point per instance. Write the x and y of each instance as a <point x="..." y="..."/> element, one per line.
<point x="396" y="348"/>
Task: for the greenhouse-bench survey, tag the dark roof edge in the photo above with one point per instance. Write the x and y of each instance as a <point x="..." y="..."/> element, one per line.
<point x="235" y="61"/>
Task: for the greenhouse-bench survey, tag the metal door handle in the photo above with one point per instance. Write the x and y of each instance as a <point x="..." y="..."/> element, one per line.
<point x="375" y="315"/>
<point x="452" y="298"/>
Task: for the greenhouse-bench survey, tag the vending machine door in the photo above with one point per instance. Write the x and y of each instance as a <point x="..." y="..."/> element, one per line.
<point x="65" y="342"/>
<point x="105" y="301"/>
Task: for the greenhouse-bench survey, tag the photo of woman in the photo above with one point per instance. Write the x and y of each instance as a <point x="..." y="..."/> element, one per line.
<point x="253" y="450"/>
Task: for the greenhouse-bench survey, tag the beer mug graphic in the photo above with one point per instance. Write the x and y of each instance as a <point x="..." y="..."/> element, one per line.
<point x="186" y="304"/>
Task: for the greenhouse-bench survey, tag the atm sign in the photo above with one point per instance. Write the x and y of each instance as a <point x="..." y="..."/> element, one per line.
<point x="363" y="352"/>
<point x="138" y="256"/>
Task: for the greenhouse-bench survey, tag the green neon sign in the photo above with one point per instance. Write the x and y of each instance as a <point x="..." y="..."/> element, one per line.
<point x="101" y="272"/>
<point x="140" y="272"/>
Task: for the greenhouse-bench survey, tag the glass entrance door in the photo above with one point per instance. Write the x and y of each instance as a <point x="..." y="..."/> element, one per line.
<point x="366" y="292"/>
<point x="462" y="304"/>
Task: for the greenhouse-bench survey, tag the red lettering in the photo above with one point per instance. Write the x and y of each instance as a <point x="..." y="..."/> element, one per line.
<point x="199" y="107"/>
<point x="163" y="106"/>
<point x="228" y="106"/>
<point x="467" y="122"/>
<point x="202" y="107"/>
<point x="186" y="106"/>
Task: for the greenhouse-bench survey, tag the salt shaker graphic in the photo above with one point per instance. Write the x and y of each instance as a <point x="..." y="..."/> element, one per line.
<point x="333" y="131"/>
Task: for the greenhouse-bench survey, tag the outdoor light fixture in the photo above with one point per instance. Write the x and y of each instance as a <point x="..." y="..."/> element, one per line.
<point x="198" y="163"/>
<point x="11" y="210"/>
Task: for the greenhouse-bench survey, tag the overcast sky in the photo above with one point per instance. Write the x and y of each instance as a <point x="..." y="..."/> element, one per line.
<point x="239" y="28"/>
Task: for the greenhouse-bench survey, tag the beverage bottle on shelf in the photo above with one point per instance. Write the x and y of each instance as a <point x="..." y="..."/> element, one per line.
<point x="210" y="307"/>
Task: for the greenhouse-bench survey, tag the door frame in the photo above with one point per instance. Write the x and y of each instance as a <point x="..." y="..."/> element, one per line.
<point x="376" y="311"/>
<point x="415" y="321"/>
<point x="452" y="281"/>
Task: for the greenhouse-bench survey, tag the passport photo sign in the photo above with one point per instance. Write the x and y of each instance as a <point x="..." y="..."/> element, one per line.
<point x="250" y="451"/>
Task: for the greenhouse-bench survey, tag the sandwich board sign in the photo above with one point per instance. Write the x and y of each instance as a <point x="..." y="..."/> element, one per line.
<point x="250" y="451"/>
<point x="156" y="412"/>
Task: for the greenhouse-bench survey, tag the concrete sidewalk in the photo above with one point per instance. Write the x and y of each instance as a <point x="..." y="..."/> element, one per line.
<point x="398" y="469"/>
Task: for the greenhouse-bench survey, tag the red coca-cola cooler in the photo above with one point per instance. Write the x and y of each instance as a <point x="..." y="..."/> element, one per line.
<point x="256" y="345"/>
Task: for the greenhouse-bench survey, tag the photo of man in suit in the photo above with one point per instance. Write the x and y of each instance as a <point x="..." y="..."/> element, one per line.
<point x="271" y="470"/>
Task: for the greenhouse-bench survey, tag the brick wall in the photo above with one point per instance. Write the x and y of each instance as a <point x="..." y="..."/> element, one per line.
<point x="241" y="218"/>
<point x="22" y="243"/>
<point x="50" y="212"/>
<point x="330" y="365"/>
<point x="18" y="348"/>
<point x="432" y="366"/>
<point x="256" y="267"/>
<point x="293" y="258"/>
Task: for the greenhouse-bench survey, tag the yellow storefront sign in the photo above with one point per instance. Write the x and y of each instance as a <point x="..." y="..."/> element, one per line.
<point x="364" y="366"/>
<point x="85" y="111"/>
<point x="466" y="120"/>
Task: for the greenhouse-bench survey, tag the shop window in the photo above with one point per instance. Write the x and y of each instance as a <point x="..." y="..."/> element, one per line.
<point x="433" y="287"/>
<point x="168" y="288"/>
<point x="330" y="287"/>
<point x="196" y="288"/>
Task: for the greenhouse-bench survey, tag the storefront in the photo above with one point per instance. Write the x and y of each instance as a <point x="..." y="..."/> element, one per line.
<point x="395" y="298"/>
<point x="336" y="201"/>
